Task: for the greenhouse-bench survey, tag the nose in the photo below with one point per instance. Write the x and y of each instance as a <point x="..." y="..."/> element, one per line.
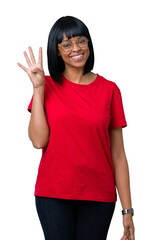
<point x="75" y="47"/>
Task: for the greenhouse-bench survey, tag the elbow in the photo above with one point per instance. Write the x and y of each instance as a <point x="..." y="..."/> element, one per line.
<point x="39" y="145"/>
<point x="41" y="141"/>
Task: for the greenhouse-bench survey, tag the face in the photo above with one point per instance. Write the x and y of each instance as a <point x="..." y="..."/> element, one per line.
<point x="68" y="57"/>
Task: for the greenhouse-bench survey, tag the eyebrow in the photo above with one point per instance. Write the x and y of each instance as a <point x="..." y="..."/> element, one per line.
<point x="70" y="40"/>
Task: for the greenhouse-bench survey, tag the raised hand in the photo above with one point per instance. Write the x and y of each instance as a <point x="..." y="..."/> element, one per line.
<point x="35" y="70"/>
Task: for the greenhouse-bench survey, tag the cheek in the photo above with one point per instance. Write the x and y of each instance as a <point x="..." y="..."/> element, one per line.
<point x="64" y="57"/>
<point x="88" y="52"/>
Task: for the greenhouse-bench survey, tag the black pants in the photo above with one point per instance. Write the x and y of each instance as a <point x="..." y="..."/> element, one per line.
<point x="64" y="219"/>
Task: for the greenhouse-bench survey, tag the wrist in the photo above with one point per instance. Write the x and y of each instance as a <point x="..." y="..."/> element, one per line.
<point x="128" y="211"/>
<point x="39" y="90"/>
<point x="39" y="86"/>
<point x="42" y="86"/>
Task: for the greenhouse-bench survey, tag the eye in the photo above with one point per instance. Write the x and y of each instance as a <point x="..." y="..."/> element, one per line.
<point x="82" y="41"/>
<point x="66" y="45"/>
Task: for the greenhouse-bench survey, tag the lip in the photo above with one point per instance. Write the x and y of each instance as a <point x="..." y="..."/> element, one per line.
<point x="79" y="59"/>
<point x="77" y="55"/>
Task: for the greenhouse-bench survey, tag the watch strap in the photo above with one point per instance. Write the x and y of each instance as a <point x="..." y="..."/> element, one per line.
<point x="124" y="211"/>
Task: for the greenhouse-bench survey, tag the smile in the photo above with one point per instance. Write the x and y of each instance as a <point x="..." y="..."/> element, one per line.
<point x="78" y="56"/>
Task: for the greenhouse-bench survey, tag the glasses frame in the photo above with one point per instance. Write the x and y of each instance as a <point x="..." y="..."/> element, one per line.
<point x="73" y="44"/>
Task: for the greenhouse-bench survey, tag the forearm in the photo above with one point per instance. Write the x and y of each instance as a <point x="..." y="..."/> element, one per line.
<point x="123" y="182"/>
<point x="38" y="126"/>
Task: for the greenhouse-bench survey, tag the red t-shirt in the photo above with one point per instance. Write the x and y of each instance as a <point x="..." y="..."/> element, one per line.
<point x="76" y="163"/>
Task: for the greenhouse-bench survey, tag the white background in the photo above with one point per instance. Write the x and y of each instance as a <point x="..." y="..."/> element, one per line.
<point x="121" y="35"/>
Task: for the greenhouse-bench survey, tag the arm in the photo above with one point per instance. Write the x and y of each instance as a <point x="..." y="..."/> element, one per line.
<point x="38" y="130"/>
<point x="120" y="167"/>
<point x="122" y="180"/>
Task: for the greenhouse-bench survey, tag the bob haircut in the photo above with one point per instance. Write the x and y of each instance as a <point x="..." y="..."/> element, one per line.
<point x="72" y="27"/>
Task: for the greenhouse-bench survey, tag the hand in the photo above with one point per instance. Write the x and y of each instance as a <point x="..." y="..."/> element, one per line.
<point x="129" y="229"/>
<point x="35" y="70"/>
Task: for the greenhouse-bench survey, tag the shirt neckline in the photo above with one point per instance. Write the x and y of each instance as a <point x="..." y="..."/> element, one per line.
<point x="79" y="85"/>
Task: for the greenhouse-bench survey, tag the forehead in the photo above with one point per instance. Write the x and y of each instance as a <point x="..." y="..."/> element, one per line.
<point x="72" y="38"/>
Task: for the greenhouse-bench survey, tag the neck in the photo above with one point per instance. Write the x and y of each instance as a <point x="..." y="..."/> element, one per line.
<point x="74" y="74"/>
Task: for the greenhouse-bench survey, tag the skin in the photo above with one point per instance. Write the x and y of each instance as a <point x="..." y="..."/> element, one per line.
<point x="39" y="130"/>
<point x="74" y="70"/>
<point x="35" y="70"/>
<point x="122" y="180"/>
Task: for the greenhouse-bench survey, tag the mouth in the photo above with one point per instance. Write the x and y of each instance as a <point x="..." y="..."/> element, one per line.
<point x="78" y="57"/>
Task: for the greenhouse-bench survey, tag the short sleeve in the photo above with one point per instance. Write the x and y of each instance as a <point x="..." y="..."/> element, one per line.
<point x="117" y="111"/>
<point x="30" y="105"/>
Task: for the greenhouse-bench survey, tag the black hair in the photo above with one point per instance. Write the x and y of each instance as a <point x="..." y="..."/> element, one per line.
<point x="72" y="27"/>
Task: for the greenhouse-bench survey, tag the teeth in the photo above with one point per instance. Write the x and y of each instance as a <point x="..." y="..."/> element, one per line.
<point x="77" y="56"/>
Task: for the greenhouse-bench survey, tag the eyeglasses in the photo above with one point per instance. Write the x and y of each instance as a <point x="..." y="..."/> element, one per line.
<point x="67" y="45"/>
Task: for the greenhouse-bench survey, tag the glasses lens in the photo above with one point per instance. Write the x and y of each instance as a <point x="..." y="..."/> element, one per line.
<point x="81" y="42"/>
<point x="66" y="46"/>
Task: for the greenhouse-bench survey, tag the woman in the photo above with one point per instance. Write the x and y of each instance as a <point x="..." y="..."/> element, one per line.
<point x="76" y="119"/>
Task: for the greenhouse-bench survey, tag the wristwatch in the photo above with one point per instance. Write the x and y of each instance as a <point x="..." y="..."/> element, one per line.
<point x="124" y="211"/>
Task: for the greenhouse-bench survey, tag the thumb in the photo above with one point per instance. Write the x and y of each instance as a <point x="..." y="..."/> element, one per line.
<point x="35" y="70"/>
<point x="124" y="238"/>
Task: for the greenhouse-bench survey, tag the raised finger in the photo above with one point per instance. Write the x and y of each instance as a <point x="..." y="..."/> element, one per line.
<point x="21" y="66"/>
<point x="40" y="57"/>
<point x="27" y="59"/>
<point x="32" y="55"/>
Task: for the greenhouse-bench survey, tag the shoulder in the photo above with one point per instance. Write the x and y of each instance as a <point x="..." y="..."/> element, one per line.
<point x="109" y="84"/>
<point x="49" y="81"/>
<point x="48" y="78"/>
<point x="48" y="85"/>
